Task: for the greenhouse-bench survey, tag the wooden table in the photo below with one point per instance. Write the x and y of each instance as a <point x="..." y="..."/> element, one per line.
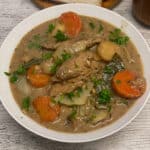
<point x="136" y="136"/>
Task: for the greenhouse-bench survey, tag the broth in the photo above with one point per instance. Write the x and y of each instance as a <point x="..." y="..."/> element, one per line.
<point x="73" y="75"/>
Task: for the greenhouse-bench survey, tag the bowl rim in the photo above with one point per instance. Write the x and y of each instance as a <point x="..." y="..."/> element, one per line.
<point x="79" y="136"/>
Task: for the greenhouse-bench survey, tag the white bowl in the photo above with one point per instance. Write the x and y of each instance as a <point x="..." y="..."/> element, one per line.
<point x="14" y="37"/>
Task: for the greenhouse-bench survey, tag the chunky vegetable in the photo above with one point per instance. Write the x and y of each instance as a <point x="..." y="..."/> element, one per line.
<point x="128" y="84"/>
<point x="106" y="50"/>
<point x="23" y="86"/>
<point x="46" y="109"/>
<point x="72" y="22"/>
<point x="99" y="116"/>
<point x="74" y="98"/>
<point x="36" y="78"/>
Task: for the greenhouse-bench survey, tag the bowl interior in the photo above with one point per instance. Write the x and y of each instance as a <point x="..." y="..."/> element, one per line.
<point x="25" y="26"/>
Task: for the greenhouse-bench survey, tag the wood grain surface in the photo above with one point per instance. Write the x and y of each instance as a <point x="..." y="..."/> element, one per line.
<point x="136" y="136"/>
<point x="42" y="3"/>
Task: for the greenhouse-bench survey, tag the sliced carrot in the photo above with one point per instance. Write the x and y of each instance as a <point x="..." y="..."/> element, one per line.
<point x="127" y="84"/>
<point x="72" y="22"/>
<point x="36" y="78"/>
<point x="44" y="108"/>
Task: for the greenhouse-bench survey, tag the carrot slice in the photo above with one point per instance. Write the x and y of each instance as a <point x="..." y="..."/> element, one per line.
<point x="72" y="22"/>
<point x="44" y="108"/>
<point x="36" y="78"/>
<point x="128" y="84"/>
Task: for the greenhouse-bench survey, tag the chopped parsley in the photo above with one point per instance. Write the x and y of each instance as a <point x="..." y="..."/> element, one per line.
<point x="72" y="115"/>
<point x="79" y="90"/>
<point x="51" y="27"/>
<point x="26" y="103"/>
<point x="60" y="36"/>
<point x="70" y="95"/>
<point x="104" y="96"/>
<point x="21" y="70"/>
<point x="46" y="56"/>
<point x="76" y="93"/>
<point x="55" y="66"/>
<point x="100" y="28"/>
<point x="65" y="56"/>
<point x="116" y="37"/>
<point x="92" y="25"/>
<point x="96" y="81"/>
<point x="35" y="42"/>
<point x="7" y="73"/>
<point x="13" y="78"/>
<point x="108" y="70"/>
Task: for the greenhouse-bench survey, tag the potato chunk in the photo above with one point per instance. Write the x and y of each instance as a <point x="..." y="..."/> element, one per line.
<point x="106" y="50"/>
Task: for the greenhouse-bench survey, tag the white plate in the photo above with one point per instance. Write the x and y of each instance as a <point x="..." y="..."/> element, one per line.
<point x="25" y="26"/>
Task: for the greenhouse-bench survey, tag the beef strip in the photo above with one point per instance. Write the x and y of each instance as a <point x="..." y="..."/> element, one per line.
<point x="74" y="72"/>
<point x="82" y="64"/>
<point x="65" y="87"/>
<point x="73" y="47"/>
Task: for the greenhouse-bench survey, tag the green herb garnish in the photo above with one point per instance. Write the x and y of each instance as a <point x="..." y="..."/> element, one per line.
<point x="53" y="68"/>
<point x="26" y="103"/>
<point x="108" y="70"/>
<point x="46" y="56"/>
<point x="35" y="42"/>
<point x="7" y="73"/>
<point x="56" y="64"/>
<point x="72" y="115"/>
<point x="51" y="27"/>
<point x="60" y="36"/>
<point x="100" y="28"/>
<point x="96" y="81"/>
<point x="79" y="90"/>
<point x="21" y="70"/>
<point x="104" y="96"/>
<point x="13" y="78"/>
<point x="92" y="25"/>
<point x="70" y="95"/>
<point x="117" y="38"/>
<point x="59" y="61"/>
<point x="65" y="56"/>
